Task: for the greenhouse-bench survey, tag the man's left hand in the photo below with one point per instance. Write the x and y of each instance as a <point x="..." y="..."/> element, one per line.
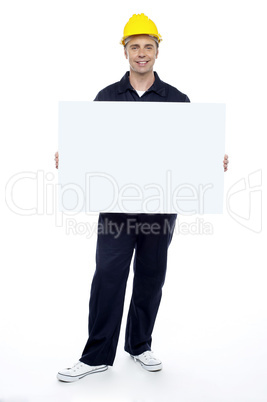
<point x="225" y="162"/>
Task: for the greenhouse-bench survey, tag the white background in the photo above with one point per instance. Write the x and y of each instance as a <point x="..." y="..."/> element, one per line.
<point x="211" y="328"/>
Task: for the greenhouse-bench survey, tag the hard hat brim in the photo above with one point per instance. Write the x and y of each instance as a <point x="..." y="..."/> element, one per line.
<point x="158" y="37"/>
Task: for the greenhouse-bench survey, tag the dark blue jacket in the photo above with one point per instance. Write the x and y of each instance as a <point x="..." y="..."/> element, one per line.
<point x="158" y="92"/>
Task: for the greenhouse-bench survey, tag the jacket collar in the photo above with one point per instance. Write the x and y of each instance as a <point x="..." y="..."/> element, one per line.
<point x="158" y="85"/>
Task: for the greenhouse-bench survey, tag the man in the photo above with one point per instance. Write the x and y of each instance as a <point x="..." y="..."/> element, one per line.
<point x="113" y="255"/>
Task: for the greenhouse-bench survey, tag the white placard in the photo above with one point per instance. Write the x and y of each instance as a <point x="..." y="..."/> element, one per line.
<point x="141" y="157"/>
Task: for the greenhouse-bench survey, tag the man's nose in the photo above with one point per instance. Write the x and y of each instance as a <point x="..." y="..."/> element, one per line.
<point x="141" y="53"/>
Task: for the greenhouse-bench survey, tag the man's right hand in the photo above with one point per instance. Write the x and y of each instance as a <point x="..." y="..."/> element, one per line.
<point x="56" y="159"/>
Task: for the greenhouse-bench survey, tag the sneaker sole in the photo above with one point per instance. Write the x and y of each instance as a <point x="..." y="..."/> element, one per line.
<point x="72" y="378"/>
<point x="155" y="367"/>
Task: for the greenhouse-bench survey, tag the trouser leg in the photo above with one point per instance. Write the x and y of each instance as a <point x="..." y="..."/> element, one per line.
<point x="150" y="265"/>
<point x="113" y="257"/>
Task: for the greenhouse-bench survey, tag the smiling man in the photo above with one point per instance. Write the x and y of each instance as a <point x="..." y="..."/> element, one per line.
<point x="141" y="83"/>
<point x="114" y="252"/>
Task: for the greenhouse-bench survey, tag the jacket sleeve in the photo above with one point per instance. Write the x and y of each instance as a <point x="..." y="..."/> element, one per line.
<point x="100" y="96"/>
<point x="97" y="97"/>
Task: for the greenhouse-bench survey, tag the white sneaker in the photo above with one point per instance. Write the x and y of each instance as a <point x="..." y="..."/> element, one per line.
<point x="78" y="371"/>
<point x="148" y="361"/>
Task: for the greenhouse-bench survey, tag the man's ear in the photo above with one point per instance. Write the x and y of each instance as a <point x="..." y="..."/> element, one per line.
<point x="125" y="53"/>
<point x="157" y="53"/>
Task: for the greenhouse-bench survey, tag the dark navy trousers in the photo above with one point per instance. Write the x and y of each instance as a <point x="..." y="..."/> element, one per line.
<point x="119" y="235"/>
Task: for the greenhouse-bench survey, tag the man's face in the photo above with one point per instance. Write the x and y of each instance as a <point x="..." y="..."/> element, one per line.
<point x="142" y="53"/>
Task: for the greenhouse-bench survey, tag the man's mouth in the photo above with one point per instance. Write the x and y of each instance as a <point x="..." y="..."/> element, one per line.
<point x="142" y="63"/>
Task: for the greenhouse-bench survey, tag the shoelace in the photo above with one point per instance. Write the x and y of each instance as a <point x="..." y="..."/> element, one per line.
<point x="148" y="355"/>
<point x="76" y="366"/>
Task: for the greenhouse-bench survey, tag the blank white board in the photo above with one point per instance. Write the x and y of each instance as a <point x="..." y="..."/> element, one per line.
<point x="141" y="157"/>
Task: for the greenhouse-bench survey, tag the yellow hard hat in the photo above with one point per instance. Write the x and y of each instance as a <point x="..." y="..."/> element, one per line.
<point x="140" y="24"/>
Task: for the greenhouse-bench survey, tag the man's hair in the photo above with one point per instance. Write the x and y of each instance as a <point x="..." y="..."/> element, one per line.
<point x="126" y="40"/>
